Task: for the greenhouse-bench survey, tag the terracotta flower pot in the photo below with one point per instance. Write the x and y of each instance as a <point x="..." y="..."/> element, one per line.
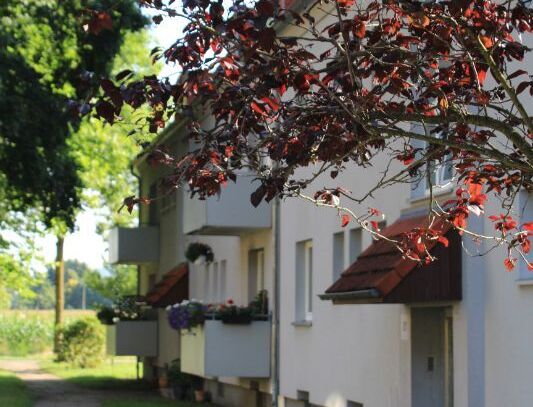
<point x="162" y="382"/>
<point x="199" y="396"/>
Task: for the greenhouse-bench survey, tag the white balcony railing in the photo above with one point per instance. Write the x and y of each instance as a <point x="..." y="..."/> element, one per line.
<point x="219" y="349"/>
<point x="132" y="338"/>
<point x="230" y="214"/>
<point x="134" y="245"/>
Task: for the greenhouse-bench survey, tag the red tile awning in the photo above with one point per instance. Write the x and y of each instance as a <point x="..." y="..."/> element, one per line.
<point x="171" y="289"/>
<point x="381" y="274"/>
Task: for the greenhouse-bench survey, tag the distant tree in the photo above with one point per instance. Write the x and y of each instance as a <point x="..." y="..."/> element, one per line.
<point x="115" y="282"/>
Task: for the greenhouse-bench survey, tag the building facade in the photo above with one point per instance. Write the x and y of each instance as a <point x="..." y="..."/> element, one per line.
<point x="456" y="335"/>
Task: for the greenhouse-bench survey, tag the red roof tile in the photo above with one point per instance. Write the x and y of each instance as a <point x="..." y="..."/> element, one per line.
<point x="381" y="266"/>
<point x="171" y="289"/>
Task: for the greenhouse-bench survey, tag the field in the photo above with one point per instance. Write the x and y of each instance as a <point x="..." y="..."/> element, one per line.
<point x="25" y="332"/>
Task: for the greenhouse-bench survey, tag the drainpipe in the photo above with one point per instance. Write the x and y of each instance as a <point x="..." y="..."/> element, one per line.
<point x="138" y="266"/>
<point x="276" y="306"/>
<point x="276" y="301"/>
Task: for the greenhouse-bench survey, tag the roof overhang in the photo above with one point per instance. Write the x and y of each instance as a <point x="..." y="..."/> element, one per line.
<point x="382" y="275"/>
<point x="171" y="289"/>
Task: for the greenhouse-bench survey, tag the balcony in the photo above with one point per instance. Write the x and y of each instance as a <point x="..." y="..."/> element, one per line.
<point x="134" y="245"/>
<point x="219" y="349"/>
<point x="132" y="338"/>
<point x="230" y="214"/>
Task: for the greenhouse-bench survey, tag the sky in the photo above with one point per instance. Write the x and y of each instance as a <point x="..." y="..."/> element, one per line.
<point x="85" y="244"/>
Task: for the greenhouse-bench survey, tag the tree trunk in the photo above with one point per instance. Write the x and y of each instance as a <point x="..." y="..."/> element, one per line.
<point x="60" y="288"/>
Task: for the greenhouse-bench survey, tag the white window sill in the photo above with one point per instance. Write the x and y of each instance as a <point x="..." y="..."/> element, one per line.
<point x="305" y="323"/>
<point x="437" y="192"/>
<point x="523" y="282"/>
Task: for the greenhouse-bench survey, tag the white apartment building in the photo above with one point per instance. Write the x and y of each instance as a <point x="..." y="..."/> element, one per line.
<point x="456" y="333"/>
<point x="358" y="326"/>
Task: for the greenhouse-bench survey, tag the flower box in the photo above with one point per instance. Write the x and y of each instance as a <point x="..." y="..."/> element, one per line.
<point x="231" y="350"/>
<point x="132" y="338"/>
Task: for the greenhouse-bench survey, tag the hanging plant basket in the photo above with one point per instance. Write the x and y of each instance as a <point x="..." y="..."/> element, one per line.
<point x="196" y="250"/>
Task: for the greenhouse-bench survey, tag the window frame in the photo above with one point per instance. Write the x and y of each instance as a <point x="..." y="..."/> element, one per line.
<point x="525" y="214"/>
<point x="308" y="280"/>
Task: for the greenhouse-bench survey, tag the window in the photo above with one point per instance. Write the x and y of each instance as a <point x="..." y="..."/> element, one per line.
<point x="206" y="275"/>
<point x="440" y="172"/>
<point x="525" y="214"/>
<point x="356" y="244"/>
<point x="214" y="284"/>
<point x="338" y="255"/>
<point x="256" y="272"/>
<point x="222" y="281"/>
<point x="304" y="280"/>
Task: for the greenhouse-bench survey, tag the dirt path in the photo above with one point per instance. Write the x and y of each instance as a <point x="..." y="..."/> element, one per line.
<point x="52" y="391"/>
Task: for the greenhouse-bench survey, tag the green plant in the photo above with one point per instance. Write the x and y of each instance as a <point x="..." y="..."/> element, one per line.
<point x="176" y="377"/>
<point x="106" y="315"/>
<point x="129" y="308"/>
<point x="81" y="343"/>
<point x="259" y="304"/>
<point x="197" y="249"/>
<point x="186" y="315"/>
<point x="229" y="313"/>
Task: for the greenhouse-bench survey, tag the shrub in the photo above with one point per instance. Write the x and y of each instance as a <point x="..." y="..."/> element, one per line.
<point x="82" y="343"/>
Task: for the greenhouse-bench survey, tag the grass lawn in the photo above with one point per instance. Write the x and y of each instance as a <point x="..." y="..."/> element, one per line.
<point x="116" y="373"/>
<point x="13" y="392"/>
<point x="158" y="403"/>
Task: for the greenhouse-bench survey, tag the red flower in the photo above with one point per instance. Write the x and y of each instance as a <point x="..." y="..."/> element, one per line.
<point x="230" y="301"/>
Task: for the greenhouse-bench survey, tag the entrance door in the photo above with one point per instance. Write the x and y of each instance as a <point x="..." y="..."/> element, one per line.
<point x="431" y="358"/>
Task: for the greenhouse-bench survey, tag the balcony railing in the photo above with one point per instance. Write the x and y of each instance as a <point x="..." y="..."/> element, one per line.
<point x="132" y="338"/>
<point x="231" y="350"/>
<point x="134" y="245"/>
<point x="230" y="214"/>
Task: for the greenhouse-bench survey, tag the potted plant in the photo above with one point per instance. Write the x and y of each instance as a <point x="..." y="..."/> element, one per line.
<point x="197" y="250"/>
<point x="186" y="315"/>
<point x="129" y="308"/>
<point x="230" y="313"/>
<point x="198" y="388"/>
<point x="181" y="383"/>
<point x="260" y="304"/>
<point x="106" y="315"/>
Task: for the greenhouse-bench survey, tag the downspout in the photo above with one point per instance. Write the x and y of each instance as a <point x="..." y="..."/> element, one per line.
<point x="138" y="266"/>
<point x="276" y="306"/>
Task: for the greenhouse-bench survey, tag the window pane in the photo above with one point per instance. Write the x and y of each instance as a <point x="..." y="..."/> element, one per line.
<point x="356" y="244"/>
<point x="338" y="255"/>
<point x="525" y="216"/>
<point x="310" y="279"/>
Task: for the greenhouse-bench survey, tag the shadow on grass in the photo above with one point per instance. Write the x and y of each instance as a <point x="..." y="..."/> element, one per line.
<point x="155" y="403"/>
<point x="109" y="383"/>
<point x="13" y="392"/>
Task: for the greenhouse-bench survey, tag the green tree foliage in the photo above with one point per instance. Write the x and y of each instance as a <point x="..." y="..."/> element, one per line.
<point x="103" y="153"/>
<point x="116" y="282"/>
<point x="44" y="52"/>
